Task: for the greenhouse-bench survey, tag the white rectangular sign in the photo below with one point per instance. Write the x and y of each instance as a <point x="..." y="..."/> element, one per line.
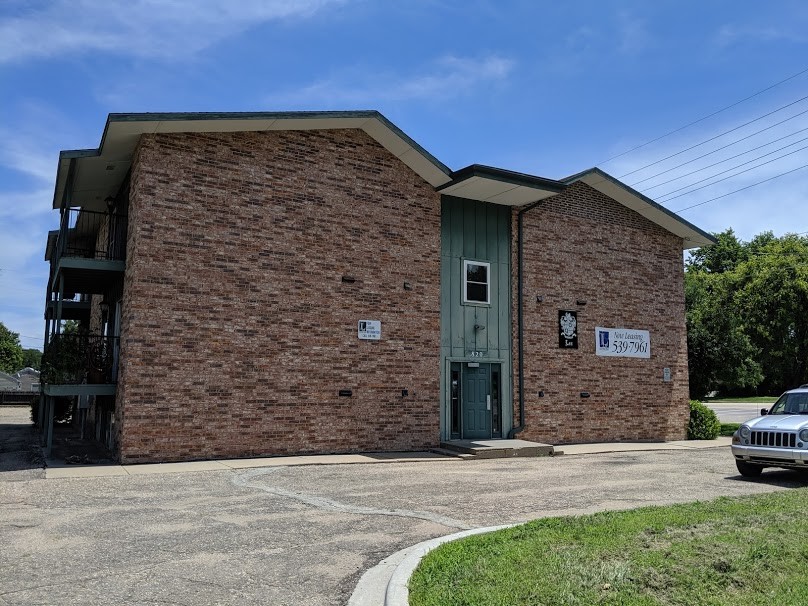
<point x="370" y="330"/>
<point x="622" y="342"/>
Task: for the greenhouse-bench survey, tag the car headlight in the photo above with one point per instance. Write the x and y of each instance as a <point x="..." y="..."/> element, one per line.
<point x="804" y="434"/>
<point x="745" y="432"/>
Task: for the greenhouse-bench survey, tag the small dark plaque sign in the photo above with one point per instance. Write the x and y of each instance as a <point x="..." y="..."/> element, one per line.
<point x="567" y="329"/>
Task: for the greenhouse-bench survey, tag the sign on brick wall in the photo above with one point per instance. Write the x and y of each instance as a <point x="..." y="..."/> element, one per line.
<point x="370" y="330"/>
<point x="622" y="342"/>
<point x="567" y="329"/>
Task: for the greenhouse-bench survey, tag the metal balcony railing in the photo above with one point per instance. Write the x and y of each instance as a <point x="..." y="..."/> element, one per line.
<point x="72" y="359"/>
<point x="80" y="230"/>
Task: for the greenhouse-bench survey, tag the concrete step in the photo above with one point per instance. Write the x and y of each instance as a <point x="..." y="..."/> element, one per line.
<point x="498" y="449"/>
<point x="451" y="453"/>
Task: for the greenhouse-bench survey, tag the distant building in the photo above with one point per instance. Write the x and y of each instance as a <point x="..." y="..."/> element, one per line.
<point x="9" y="382"/>
<point x="284" y="283"/>
<point x="28" y="379"/>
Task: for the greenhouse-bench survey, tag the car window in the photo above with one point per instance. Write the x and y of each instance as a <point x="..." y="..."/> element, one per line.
<point x="779" y="406"/>
<point x="800" y="405"/>
<point x="791" y="404"/>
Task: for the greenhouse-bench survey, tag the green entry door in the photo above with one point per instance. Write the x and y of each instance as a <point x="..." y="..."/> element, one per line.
<point x="477" y="402"/>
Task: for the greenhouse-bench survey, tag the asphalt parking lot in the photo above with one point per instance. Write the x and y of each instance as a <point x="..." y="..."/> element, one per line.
<point x="302" y="535"/>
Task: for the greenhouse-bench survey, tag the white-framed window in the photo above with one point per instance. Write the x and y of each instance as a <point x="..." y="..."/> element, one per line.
<point x="476" y="282"/>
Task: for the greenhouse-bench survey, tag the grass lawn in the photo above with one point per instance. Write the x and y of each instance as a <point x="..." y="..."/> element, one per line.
<point x="749" y="400"/>
<point x="727" y="429"/>
<point x="732" y="551"/>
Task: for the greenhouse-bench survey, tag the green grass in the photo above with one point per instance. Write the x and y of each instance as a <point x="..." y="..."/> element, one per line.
<point x="733" y="551"/>
<point x="747" y="400"/>
<point x="727" y="429"/>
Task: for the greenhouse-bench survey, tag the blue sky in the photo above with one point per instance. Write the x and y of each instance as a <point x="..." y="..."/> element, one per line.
<point x="547" y="88"/>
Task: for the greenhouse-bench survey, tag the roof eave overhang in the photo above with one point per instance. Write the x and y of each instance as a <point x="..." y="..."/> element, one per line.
<point x="100" y="172"/>
<point x="692" y="236"/>
<point x="499" y="186"/>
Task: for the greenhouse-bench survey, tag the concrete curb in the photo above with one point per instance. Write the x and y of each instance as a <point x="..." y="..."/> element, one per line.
<point x="621" y="447"/>
<point x="386" y="583"/>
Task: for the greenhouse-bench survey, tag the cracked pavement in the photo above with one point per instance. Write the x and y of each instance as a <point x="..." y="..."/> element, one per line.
<point x="303" y="535"/>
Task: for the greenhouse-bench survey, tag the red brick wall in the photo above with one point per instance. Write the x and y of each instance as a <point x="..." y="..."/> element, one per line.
<point x="237" y="330"/>
<point x="583" y="245"/>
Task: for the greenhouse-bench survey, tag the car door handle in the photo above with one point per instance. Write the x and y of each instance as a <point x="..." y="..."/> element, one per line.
<point x="488" y="402"/>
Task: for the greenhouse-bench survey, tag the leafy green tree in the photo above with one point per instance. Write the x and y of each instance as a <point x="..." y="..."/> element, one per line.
<point x="10" y="350"/>
<point x="31" y="358"/>
<point x="719" y="352"/>
<point x="772" y="299"/>
<point x="747" y="314"/>
<point x="721" y="257"/>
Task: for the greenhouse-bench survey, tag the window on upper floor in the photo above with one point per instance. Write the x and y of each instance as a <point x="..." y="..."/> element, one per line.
<point x="476" y="282"/>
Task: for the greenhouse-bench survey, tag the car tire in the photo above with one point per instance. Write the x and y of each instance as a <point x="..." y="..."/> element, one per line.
<point x="748" y="470"/>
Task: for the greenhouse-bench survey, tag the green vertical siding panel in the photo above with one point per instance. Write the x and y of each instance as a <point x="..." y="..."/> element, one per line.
<point x="445" y="302"/>
<point x="482" y="235"/>
<point x="492" y="320"/>
<point x="479" y="231"/>
<point x="456" y="230"/>
<point x="457" y="319"/>
<point x="505" y="243"/>
<point x="504" y="306"/>
<point x="458" y="226"/>
<point x="469" y="234"/>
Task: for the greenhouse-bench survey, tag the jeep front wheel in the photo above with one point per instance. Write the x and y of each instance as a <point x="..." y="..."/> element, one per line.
<point x="748" y="470"/>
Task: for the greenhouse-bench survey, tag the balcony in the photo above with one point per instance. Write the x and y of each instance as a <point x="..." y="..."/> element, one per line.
<point x="79" y="364"/>
<point x="87" y="252"/>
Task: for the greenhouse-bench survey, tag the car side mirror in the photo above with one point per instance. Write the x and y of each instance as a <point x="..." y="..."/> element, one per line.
<point x="764" y="412"/>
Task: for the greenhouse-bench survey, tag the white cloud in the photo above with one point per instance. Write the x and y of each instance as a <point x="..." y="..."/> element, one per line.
<point x="25" y="205"/>
<point x="449" y="76"/>
<point x="145" y="28"/>
<point x="26" y="155"/>
<point x="632" y="33"/>
<point x="731" y="34"/>
<point x="30" y="149"/>
<point x="23" y="274"/>
<point x="31" y="145"/>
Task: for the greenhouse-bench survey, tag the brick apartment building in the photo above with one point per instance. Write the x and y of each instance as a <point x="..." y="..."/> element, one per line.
<point x="278" y="283"/>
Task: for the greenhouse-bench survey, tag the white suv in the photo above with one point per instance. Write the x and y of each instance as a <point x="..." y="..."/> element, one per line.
<point x="777" y="438"/>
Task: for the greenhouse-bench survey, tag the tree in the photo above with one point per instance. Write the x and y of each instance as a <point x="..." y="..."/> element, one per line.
<point x="10" y="350"/>
<point x="747" y="314"/>
<point x="721" y="257"/>
<point x="720" y="354"/>
<point x="31" y="358"/>
<point x="772" y="299"/>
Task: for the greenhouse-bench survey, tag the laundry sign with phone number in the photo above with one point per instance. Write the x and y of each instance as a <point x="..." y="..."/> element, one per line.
<point x="622" y="342"/>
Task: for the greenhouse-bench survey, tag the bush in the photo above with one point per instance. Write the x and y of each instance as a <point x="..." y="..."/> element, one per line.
<point x="704" y="424"/>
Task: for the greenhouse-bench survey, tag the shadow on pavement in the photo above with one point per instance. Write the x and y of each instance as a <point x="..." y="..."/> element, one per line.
<point x="19" y="447"/>
<point x="785" y="478"/>
<point x="69" y="448"/>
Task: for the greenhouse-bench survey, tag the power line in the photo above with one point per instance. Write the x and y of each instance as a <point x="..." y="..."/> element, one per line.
<point x="744" y="188"/>
<point x="724" y="160"/>
<point x="723" y="109"/>
<point x="679" y="153"/>
<point x="725" y="178"/>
